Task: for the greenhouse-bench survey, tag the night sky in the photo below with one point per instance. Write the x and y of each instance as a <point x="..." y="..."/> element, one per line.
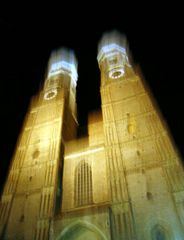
<point x="29" y="36"/>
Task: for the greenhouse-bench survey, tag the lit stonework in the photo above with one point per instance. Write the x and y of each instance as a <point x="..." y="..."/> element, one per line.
<point x="123" y="180"/>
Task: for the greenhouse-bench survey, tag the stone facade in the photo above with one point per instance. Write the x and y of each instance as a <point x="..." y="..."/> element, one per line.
<point x="123" y="180"/>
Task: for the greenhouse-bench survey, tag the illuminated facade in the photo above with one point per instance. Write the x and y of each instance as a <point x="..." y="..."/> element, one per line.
<point x="124" y="180"/>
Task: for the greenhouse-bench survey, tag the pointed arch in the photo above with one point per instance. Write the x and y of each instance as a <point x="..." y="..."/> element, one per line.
<point x="158" y="229"/>
<point x="83" y="184"/>
<point x="79" y="229"/>
<point x="158" y="233"/>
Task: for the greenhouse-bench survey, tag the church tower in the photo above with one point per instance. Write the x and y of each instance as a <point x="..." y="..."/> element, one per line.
<point x="145" y="173"/>
<point x="32" y="193"/>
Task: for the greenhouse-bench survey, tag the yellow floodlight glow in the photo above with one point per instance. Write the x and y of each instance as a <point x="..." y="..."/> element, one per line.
<point x="75" y="155"/>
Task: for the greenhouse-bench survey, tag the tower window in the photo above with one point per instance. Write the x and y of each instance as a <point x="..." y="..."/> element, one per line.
<point x="35" y="154"/>
<point x="22" y="218"/>
<point x="83" y="184"/>
<point x="149" y="195"/>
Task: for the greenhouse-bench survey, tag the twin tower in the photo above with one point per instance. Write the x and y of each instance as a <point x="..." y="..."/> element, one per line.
<point x="123" y="181"/>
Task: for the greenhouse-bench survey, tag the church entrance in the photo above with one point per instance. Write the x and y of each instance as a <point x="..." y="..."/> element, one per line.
<point x="81" y="232"/>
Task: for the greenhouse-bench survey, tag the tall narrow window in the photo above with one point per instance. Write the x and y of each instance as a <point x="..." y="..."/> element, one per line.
<point x="83" y="184"/>
<point x="158" y="233"/>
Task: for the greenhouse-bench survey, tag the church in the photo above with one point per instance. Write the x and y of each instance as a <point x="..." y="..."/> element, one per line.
<point x="123" y="180"/>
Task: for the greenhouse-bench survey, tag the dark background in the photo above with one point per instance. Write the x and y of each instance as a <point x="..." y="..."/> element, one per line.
<point x="28" y="36"/>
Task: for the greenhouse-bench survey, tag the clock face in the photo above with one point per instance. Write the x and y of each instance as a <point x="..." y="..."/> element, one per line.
<point x="50" y="94"/>
<point x="116" y="73"/>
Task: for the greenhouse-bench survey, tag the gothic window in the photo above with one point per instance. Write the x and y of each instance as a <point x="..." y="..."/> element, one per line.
<point x="149" y="195"/>
<point x="131" y="124"/>
<point x="83" y="184"/>
<point x="158" y="233"/>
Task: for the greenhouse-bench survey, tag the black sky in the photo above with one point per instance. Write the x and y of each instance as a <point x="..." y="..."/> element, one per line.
<point x="29" y="36"/>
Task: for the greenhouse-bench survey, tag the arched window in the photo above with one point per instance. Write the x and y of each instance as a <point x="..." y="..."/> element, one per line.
<point x="158" y="233"/>
<point x="83" y="184"/>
